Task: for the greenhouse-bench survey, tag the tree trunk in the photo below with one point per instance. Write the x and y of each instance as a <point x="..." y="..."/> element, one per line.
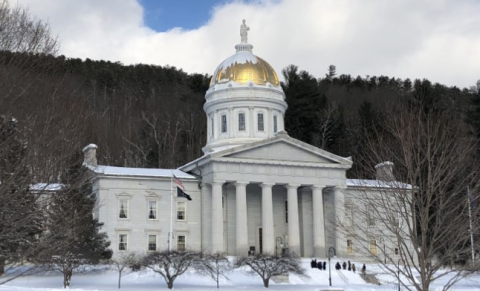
<point x="67" y="276"/>
<point x="265" y="282"/>
<point x="170" y="284"/>
<point x="119" y="279"/>
<point x="2" y="266"/>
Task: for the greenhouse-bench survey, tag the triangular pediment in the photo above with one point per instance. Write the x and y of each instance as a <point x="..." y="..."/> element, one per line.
<point x="283" y="149"/>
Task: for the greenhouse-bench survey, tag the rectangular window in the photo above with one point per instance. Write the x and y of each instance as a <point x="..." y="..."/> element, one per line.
<point x="122" y="242"/>
<point x="123" y="208"/>
<point x="241" y="121"/>
<point x="370" y="218"/>
<point x="152" y="209"/>
<point x="286" y="211"/>
<point x="260" y="122"/>
<point x="152" y="243"/>
<point x="396" y="251"/>
<point x="224" y="123"/>
<point x="180" y="210"/>
<point x="181" y="243"/>
<point x="349" y="247"/>
<point x="348" y="215"/>
<point x="275" y="126"/>
<point x="373" y="247"/>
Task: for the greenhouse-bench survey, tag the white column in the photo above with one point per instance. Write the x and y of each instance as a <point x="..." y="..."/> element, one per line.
<point x="340" y="240"/>
<point x="267" y="219"/>
<point x="293" y="225"/>
<point x="251" y="127"/>
<point x="217" y="218"/>
<point x="241" y="219"/>
<point x="230" y="124"/>
<point x="318" y="222"/>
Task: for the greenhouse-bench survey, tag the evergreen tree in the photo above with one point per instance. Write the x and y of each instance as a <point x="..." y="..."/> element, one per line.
<point x="73" y="237"/>
<point x="18" y="209"/>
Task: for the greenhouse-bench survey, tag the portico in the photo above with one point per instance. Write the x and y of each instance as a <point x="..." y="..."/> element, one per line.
<point x="251" y="202"/>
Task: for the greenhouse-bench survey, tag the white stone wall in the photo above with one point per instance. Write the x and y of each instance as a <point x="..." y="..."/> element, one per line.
<point x="138" y="191"/>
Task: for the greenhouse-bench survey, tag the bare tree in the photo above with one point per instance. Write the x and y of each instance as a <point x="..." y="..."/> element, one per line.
<point x="171" y="264"/>
<point x="125" y="263"/>
<point x="20" y="32"/>
<point x="215" y="266"/>
<point x="266" y="266"/>
<point x="417" y="222"/>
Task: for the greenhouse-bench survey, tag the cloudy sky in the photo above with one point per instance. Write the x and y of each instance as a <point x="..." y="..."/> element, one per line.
<point x="434" y="39"/>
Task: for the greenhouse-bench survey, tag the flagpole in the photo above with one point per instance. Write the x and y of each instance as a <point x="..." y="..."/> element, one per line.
<point x="170" y="233"/>
<point x="469" y="201"/>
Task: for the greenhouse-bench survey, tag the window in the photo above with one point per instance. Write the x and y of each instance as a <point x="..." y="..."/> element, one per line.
<point x="275" y="126"/>
<point x="370" y="219"/>
<point x="152" y="209"/>
<point x="396" y="251"/>
<point x="286" y="211"/>
<point x="152" y="243"/>
<point x="373" y="247"/>
<point x="224" y="123"/>
<point x="180" y="210"/>
<point x="123" y="209"/>
<point x="241" y="122"/>
<point x="122" y="242"/>
<point x="260" y="122"/>
<point x="181" y="243"/>
<point x="348" y="215"/>
<point x="349" y="246"/>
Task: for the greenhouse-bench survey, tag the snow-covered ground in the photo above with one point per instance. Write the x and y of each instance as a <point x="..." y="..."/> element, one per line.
<point x="106" y="279"/>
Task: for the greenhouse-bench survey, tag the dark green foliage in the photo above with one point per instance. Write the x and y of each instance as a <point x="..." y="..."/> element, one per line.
<point x="19" y="214"/>
<point x="73" y="236"/>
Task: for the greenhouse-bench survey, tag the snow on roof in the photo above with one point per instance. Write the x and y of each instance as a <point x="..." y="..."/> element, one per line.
<point x="140" y="172"/>
<point x="377" y="184"/>
<point x="46" y="187"/>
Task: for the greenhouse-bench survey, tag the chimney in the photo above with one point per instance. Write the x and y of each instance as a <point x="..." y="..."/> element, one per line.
<point x="385" y="171"/>
<point x="90" y="155"/>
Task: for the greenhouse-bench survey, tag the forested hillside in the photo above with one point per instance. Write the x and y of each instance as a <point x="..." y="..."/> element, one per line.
<point x="152" y="116"/>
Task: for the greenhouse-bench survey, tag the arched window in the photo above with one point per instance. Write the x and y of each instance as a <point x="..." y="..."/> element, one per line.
<point x="260" y="123"/>
<point x="275" y="124"/>
<point x="241" y="121"/>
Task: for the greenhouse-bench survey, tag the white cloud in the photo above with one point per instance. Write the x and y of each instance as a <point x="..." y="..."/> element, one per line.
<point x="434" y="39"/>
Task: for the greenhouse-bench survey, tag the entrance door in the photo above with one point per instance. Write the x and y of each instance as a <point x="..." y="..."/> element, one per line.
<point x="260" y="240"/>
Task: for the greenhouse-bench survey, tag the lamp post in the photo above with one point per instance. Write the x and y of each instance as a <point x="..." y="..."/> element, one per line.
<point x="279" y="238"/>
<point x="329" y="265"/>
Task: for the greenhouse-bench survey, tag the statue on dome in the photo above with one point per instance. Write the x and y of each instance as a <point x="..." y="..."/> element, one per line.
<point x="244" y="32"/>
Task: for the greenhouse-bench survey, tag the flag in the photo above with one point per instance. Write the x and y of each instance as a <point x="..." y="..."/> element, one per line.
<point x="181" y="193"/>
<point x="178" y="182"/>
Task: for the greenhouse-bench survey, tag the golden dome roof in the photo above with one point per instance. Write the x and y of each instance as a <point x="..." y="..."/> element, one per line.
<point x="244" y="67"/>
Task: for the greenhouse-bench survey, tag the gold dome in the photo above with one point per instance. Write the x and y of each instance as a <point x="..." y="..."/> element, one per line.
<point x="244" y="67"/>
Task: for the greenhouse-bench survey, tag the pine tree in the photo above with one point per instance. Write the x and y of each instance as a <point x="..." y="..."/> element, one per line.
<point x="73" y="238"/>
<point x="18" y="209"/>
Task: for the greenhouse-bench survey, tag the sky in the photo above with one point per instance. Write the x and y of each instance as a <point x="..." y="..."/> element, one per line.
<point x="434" y="39"/>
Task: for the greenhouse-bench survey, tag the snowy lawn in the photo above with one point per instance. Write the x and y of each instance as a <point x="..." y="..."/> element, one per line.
<point x="106" y="279"/>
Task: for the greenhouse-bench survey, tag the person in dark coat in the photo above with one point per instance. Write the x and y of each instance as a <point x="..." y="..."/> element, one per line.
<point x="353" y="268"/>
<point x="349" y="266"/>
<point x="344" y="265"/>
<point x="338" y="266"/>
<point x="311" y="264"/>
<point x="364" y="269"/>
<point x="319" y="265"/>
<point x="324" y="265"/>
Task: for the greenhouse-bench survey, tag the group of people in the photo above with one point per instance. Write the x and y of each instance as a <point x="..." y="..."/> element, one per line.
<point x="323" y="266"/>
<point x="319" y="265"/>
